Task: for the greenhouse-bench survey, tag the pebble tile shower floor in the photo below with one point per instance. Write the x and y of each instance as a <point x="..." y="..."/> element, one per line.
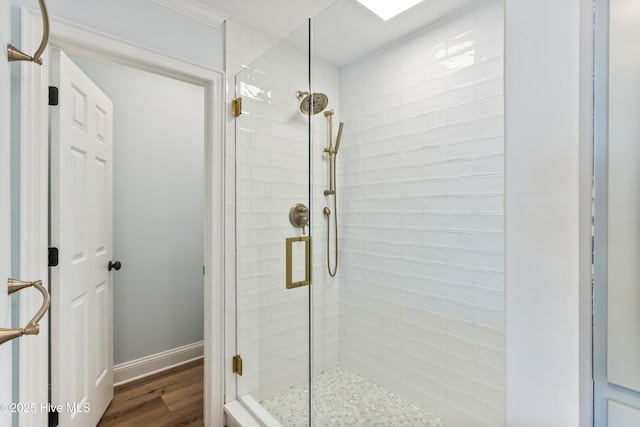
<point x="342" y="398"/>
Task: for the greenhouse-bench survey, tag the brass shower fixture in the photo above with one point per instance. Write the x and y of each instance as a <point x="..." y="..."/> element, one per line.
<point x="332" y="151"/>
<point x="314" y="103"/>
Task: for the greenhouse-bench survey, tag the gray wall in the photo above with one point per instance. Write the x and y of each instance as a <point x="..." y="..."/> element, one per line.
<point x="158" y="209"/>
<point x="146" y="23"/>
<point x="140" y="21"/>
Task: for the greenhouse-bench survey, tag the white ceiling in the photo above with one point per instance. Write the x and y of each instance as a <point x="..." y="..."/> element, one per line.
<point x="343" y="30"/>
<point x="347" y="31"/>
<point x="273" y="18"/>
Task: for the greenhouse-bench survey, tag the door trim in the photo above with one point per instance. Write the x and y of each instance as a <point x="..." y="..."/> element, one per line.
<point x="75" y="39"/>
<point x="33" y="234"/>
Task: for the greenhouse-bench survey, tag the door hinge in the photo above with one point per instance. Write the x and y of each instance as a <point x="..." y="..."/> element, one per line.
<point x="53" y="417"/>
<point x="53" y="95"/>
<point x="53" y="257"/>
<point x="236" y="107"/>
<point x="237" y="364"/>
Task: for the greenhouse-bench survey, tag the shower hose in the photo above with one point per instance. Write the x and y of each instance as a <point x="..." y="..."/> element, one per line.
<point x="335" y="222"/>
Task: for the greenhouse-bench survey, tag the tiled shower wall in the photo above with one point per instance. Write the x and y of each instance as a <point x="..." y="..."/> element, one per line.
<point x="421" y="183"/>
<point x="325" y="289"/>
<point x="271" y="159"/>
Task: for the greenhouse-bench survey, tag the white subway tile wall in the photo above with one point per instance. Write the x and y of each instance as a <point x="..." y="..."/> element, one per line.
<point x="272" y="164"/>
<point x="243" y="45"/>
<point x="418" y="303"/>
<point x="421" y="189"/>
<point x="271" y="176"/>
<point x="325" y="289"/>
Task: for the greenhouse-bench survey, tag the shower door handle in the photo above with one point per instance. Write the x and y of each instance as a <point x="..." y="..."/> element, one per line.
<point x="290" y="284"/>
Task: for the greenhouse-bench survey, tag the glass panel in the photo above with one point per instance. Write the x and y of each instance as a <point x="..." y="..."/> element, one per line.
<point x="272" y="175"/>
<point x="410" y="330"/>
<point x="400" y="161"/>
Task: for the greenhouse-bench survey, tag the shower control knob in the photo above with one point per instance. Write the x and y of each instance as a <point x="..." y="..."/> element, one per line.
<point x="299" y="216"/>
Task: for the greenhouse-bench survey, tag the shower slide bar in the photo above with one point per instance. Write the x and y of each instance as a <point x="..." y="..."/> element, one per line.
<point x="32" y="327"/>
<point x="332" y="151"/>
<point x="15" y="54"/>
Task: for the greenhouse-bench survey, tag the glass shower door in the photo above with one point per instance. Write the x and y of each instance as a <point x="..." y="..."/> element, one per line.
<point x="273" y="245"/>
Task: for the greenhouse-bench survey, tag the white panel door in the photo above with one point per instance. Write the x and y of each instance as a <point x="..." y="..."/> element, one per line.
<point x="81" y="227"/>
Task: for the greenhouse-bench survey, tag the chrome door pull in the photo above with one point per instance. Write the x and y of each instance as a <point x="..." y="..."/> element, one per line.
<point x="32" y="327"/>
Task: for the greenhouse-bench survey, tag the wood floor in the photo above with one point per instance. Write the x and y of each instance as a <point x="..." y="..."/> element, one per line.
<point x="169" y="399"/>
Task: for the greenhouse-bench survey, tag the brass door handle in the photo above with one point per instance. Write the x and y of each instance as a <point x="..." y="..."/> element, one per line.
<point x="290" y="284"/>
<point x="16" y="54"/>
<point x="32" y="327"/>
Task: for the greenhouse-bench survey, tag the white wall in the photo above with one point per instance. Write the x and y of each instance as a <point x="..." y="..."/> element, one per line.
<point x="421" y="179"/>
<point x="548" y="212"/>
<point x="5" y="215"/>
<point x="158" y="210"/>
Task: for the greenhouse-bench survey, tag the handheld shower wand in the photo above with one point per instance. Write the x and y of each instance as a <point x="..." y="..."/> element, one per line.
<point x="338" y="138"/>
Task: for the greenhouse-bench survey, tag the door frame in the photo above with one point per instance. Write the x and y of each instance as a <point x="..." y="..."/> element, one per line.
<point x="605" y="393"/>
<point x="34" y="211"/>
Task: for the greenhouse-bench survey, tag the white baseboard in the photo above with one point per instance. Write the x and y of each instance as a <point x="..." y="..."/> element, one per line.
<point x="149" y="365"/>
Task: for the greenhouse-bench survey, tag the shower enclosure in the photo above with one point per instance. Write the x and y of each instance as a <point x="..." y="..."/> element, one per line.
<point x="409" y="330"/>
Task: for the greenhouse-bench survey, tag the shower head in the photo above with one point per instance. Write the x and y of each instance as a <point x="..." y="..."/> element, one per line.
<point x="314" y="103"/>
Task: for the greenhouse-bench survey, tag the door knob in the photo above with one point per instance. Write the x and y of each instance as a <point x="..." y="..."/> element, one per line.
<point x="114" y="265"/>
